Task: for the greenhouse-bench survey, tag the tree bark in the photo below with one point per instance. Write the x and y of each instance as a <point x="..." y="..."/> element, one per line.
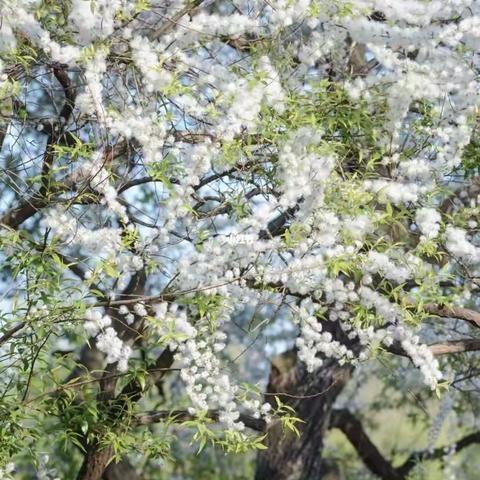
<point x="94" y="463"/>
<point x="312" y="395"/>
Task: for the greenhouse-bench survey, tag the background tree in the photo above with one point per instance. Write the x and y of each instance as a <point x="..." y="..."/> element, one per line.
<point x="191" y="188"/>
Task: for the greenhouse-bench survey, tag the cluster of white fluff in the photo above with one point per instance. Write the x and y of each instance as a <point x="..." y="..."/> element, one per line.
<point x="222" y="96"/>
<point x="174" y="324"/>
<point x="380" y="263"/>
<point x="96" y="175"/>
<point x="95" y="322"/>
<point x="19" y="18"/>
<point x="358" y="227"/>
<point x="140" y="310"/>
<point x="460" y="246"/>
<point x="436" y="70"/>
<point x="107" y="340"/>
<point x="337" y="295"/>
<point x="395" y="192"/>
<point x="302" y="170"/>
<point x="428" y="221"/>
<point x="244" y="97"/>
<point x="126" y="314"/>
<point x="205" y="382"/>
<point x="313" y="343"/>
<point x="114" y="348"/>
<point x="142" y="126"/>
<point x="198" y="351"/>
<point x="215" y="24"/>
<point x="90" y="101"/>
<point x="96" y="20"/>
<point x="285" y="13"/>
<point x="421" y="356"/>
<point x="106" y="241"/>
<point x="148" y="62"/>
<point x="389" y="311"/>
<point x="88" y="21"/>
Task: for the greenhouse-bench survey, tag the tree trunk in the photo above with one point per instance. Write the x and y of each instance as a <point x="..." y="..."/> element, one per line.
<point x="312" y="395"/>
<point x="94" y="463"/>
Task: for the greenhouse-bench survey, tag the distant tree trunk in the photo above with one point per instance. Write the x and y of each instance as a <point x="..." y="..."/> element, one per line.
<point x="120" y="471"/>
<point x="289" y="457"/>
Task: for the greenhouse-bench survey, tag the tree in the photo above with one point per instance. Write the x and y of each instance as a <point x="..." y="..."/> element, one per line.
<point x="182" y="180"/>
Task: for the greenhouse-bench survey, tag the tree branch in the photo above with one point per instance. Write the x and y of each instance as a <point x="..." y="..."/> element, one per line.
<point x="16" y="216"/>
<point x="171" y="22"/>
<point x="10" y="333"/>
<point x="366" y="449"/>
<point x="147" y="418"/>
<point x="443" y="348"/>
<point x="470" y="316"/>
<point x="53" y="135"/>
<point x="420" y="456"/>
<point x="455" y="346"/>
<point x="372" y="457"/>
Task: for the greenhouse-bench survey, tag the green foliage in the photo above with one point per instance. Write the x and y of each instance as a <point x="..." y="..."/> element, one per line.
<point x="25" y="56"/>
<point x="164" y="170"/>
<point x="365" y="317"/>
<point x="471" y="158"/>
<point x="294" y="235"/>
<point x="286" y="414"/>
<point x="230" y="441"/>
<point x="236" y="442"/>
<point x="208" y="307"/>
<point x="203" y="434"/>
<point x="53" y="16"/>
<point x="344" y="264"/>
<point x="79" y="149"/>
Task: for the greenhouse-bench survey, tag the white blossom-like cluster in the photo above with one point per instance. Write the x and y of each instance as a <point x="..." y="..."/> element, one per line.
<point x="115" y="350"/>
<point x="7" y="471"/>
<point x="96" y="175"/>
<point x="287" y="220"/>
<point x="198" y="351"/>
<point x="90" y="101"/>
<point x="428" y="221"/>
<point x="95" y="322"/>
<point x="174" y="324"/>
<point x="207" y="385"/>
<point x="457" y="243"/>
<point x="107" y="340"/>
<point x="377" y="262"/>
<point x="369" y="298"/>
<point x="94" y="21"/>
<point x="303" y="172"/>
<point x="69" y="230"/>
<point x="395" y="192"/>
<point x="421" y="356"/>
<point x="313" y="343"/>
<point x="19" y="18"/>
<point x="147" y="61"/>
